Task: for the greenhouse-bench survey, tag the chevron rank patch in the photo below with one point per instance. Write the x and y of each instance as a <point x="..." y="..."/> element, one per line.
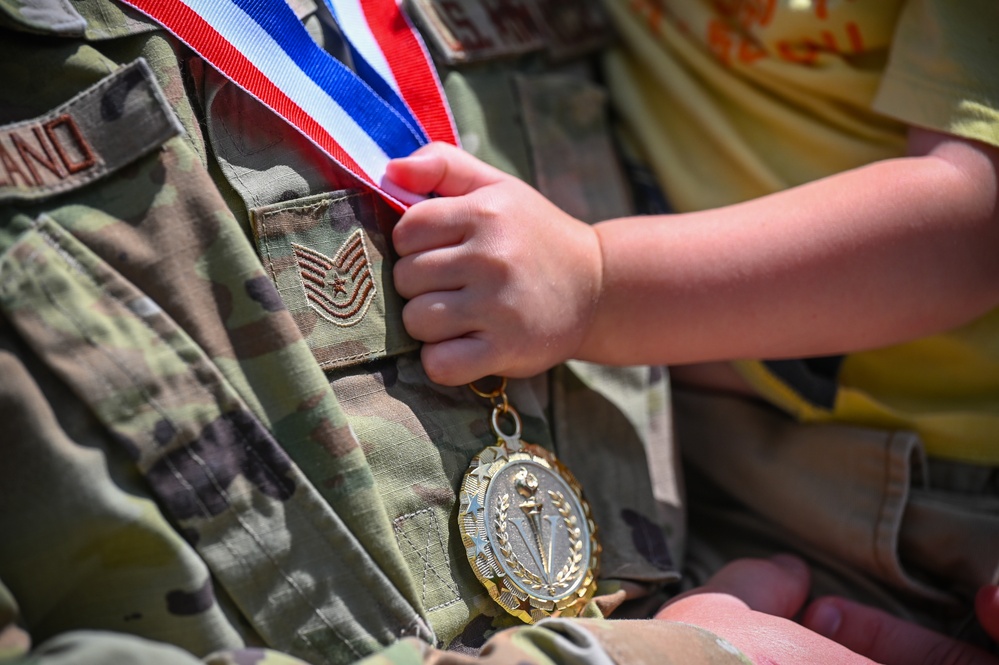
<point x="329" y="258"/>
<point x="340" y="288"/>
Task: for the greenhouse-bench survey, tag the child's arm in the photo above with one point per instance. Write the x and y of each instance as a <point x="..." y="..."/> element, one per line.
<point x="502" y="282"/>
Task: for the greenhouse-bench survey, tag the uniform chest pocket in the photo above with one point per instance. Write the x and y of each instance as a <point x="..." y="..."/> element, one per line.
<point x="331" y="261"/>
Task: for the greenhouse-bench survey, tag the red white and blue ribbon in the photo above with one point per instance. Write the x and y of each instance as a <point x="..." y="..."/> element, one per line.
<point x="391" y="106"/>
<point x="389" y="44"/>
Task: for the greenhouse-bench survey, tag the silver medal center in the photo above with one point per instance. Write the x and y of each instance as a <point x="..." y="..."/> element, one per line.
<point x="537" y="530"/>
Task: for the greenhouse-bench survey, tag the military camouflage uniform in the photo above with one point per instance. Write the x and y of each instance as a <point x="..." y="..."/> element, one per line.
<point x="199" y="461"/>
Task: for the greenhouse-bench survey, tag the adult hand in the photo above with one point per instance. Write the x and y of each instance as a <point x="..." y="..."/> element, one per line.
<point x="889" y="640"/>
<point x="750" y="603"/>
<point x="500" y="280"/>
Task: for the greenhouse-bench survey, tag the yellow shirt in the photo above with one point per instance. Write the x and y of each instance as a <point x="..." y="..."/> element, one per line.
<point x="734" y="99"/>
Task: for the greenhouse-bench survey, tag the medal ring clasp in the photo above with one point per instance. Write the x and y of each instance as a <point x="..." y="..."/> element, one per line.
<point x="497" y="395"/>
<point x="512" y="440"/>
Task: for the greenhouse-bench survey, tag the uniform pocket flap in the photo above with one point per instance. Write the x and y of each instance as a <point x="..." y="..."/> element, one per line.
<point x="330" y="259"/>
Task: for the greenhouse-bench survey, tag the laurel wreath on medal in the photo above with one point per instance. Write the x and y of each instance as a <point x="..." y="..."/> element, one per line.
<point x="568" y="574"/>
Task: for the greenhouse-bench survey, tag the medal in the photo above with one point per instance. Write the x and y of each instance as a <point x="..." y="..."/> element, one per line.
<point x="526" y="527"/>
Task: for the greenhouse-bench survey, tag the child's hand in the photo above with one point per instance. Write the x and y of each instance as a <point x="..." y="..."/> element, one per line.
<point x="500" y="281"/>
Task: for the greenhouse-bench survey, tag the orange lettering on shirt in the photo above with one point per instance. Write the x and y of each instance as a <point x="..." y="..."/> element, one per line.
<point x="763" y="12"/>
<point x="750" y="51"/>
<point x="733" y="34"/>
<point x="804" y="52"/>
<point x="853" y="32"/>
<point x="829" y="40"/>
<point x="652" y="12"/>
<point x="655" y="20"/>
<point x="831" y="44"/>
<point x="720" y="40"/>
<point x="747" y="13"/>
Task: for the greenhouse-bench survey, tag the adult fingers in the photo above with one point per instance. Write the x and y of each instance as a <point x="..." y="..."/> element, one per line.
<point x="442" y="169"/>
<point x="886" y="638"/>
<point x="777" y="586"/>
<point x="761" y="637"/>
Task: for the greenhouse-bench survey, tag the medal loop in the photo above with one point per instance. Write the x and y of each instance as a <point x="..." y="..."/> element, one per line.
<point x="512" y="441"/>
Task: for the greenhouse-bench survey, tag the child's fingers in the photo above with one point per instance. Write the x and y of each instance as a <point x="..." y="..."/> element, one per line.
<point x="430" y="224"/>
<point x="438" y="270"/>
<point x="437" y="316"/>
<point x="458" y="361"/>
<point x="442" y="169"/>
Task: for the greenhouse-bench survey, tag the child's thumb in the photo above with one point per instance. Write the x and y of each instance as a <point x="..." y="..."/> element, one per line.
<point x="442" y="169"/>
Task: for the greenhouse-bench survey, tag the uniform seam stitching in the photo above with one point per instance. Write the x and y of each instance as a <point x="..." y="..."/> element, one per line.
<point x="427" y="566"/>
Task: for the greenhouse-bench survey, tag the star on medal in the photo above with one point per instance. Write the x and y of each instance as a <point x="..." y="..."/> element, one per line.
<point x="474" y="506"/>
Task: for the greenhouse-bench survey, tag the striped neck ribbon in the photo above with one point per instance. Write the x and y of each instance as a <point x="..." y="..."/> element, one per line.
<point x="389" y="105"/>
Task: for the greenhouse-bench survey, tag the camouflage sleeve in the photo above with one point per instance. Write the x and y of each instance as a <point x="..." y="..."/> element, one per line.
<point x="97" y="648"/>
<point x="551" y="642"/>
<point x="579" y="642"/>
<point x="558" y="643"/>
<point x="86" y="647"/>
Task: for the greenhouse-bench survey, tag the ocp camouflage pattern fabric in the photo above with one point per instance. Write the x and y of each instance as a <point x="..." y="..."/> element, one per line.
<point x="218" y="442"/>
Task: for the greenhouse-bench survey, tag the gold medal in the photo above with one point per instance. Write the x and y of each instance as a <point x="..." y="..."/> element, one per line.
<point x="526" y="527"/>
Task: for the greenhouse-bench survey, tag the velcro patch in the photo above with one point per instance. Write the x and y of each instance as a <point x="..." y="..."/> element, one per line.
<point x="338" y="288"/>
<point x="330" y="260"/>
<point x="104" y="128"/>
<point x="472" y="31"/>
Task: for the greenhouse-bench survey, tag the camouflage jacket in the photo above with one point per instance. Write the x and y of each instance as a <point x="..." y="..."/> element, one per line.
<point x="197" y="463"/>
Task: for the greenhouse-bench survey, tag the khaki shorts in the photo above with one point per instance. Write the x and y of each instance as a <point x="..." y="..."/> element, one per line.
<point x="876" y="519"/>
